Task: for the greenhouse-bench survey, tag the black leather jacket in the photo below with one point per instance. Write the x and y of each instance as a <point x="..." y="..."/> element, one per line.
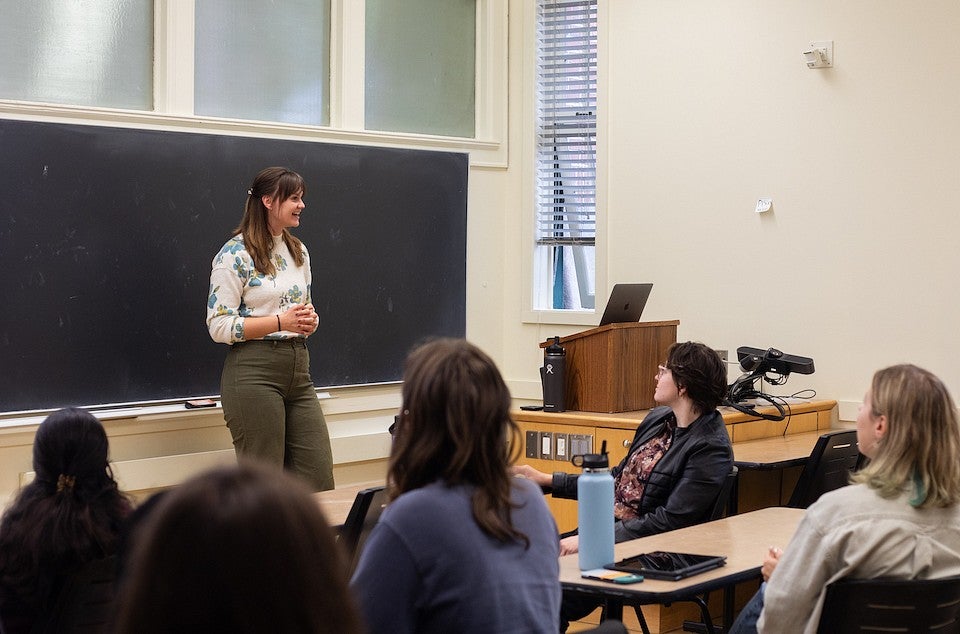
<point x="683" y="485"/>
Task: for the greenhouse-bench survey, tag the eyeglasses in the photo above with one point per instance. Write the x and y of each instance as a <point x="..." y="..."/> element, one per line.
<point x="661" y="370"/>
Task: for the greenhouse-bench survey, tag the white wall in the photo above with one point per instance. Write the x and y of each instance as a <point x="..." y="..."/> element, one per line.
<point x="709" y="107"/>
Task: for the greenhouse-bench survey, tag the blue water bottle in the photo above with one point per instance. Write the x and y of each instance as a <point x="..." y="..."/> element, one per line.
<point x="595" y="509"/>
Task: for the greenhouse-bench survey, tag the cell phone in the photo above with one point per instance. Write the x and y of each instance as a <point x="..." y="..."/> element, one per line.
<point x="531" y="408"/>
<point x="611" y="576"/>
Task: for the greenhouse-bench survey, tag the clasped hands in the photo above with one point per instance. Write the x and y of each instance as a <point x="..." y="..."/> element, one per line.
<point x="300" y="318"/>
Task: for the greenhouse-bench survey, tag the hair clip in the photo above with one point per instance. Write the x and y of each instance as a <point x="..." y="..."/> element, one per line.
<point x="65" y="482"/>
<point x="250" y="192"/>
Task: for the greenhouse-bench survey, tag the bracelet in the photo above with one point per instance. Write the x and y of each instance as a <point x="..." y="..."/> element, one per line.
<point x="279" y="327"/>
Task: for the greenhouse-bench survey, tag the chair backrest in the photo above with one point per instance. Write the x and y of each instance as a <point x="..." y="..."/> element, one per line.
<point x="723" y="498"/>
<point x="888" y="605"/>
<point x="361" y="519"/>
<point x="829" y="466"/>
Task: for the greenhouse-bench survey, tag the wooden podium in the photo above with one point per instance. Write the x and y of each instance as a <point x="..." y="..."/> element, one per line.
<point x="613" y="368"/>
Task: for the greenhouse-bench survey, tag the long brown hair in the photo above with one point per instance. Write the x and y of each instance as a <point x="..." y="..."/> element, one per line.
<point x="277" y="183"/>
<point x="237" y="549"/>
<point x="454" y="427"/>
<point x="920" y="450"/>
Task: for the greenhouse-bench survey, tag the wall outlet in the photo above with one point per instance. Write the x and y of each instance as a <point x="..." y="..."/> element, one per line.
<point x="546" y="445"/>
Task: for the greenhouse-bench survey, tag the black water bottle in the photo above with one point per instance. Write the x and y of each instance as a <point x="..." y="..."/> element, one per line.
<point x="553" y="375"/>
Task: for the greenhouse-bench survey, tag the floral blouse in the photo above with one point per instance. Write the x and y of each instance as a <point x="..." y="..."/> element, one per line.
<point x="238" y="290"/>
<point x="629" y="484"/>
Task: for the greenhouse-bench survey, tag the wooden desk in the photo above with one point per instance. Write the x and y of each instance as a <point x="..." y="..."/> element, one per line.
<point x="542" y="434"/>
<point x="775" y="452"/>
<point x="336" y="503"/>
<point x="743" y="539"/>
<point x="757" y="428"/>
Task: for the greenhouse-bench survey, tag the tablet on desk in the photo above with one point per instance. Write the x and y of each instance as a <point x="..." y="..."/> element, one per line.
<point x="667" y="565"/>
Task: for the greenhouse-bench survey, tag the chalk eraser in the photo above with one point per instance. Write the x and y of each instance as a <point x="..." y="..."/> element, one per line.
<point x="203" y="402"/>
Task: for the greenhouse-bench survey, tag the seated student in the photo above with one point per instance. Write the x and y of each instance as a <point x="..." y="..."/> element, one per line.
<point x="679" y="457"/>
<point x="462" y="547"/>
<point x="676" y="465"/>
<point x="900" y="519"/>
<point x="67" y="519"/>
<point x="237" y="549"/>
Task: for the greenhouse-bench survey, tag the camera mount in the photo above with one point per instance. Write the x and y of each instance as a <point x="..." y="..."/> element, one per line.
<point x="770" y="366"/>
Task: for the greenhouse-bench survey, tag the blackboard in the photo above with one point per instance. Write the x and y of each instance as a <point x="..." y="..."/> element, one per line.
<point x="107" y="235"/>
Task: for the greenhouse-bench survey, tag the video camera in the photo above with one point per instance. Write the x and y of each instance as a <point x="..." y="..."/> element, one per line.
<point x="770" y="366"/>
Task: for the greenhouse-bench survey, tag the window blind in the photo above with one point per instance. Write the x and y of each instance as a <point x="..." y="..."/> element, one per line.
<point x="566" y="122"/>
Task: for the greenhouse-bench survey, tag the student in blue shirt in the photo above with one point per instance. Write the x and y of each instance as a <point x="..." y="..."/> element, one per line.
<point x="463" y="546"/>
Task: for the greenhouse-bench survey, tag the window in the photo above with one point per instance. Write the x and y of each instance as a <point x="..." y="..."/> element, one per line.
<point x="565" y="254"/>
<point x="263" y="61"/>
<point x="433" y="74"/>
<point x="95" y="53"/>
<point x="420" y="61"/>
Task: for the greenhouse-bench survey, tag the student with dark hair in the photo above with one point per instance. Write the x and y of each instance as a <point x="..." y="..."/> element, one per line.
<point x="68" y="518"/>
<point x="679" y="457"/>
<point x="236" y="549"/>
<point x="260" y="304"/>
<point x="677" y="462"/>
<point x="463" y="546"/>
<point x="900" y="519"/>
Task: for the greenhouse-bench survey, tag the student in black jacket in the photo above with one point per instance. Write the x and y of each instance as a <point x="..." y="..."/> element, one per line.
<point x="680" y="453"/>
<point x="677" y="462"/>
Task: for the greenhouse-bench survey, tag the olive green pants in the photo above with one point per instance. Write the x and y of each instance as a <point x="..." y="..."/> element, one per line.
<point x="272" y="411"/>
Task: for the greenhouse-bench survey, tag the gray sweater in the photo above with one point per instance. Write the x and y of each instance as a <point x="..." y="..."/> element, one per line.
<point x="427" y="567"/>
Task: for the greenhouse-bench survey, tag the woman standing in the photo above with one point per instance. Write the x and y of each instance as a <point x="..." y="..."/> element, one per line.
<point x="463" y="547"/>
<point x="260" y="304"/>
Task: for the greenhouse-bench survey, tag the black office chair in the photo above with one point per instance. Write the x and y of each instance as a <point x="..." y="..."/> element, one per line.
<point x="717" y="511"/>
<point x="889" y="605"/>
<point x="720" y="506"/>
<point x="363" y="516"/>
<point x="722" y="503"/>
<point x="833" y="459"/>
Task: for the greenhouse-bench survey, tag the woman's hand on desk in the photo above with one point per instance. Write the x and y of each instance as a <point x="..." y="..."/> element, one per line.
<point x="570" y="545"/>
<point x="538" y="477"/>
<point x="770" y="562"/>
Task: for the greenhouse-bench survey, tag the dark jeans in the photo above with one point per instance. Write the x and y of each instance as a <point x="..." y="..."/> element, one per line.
<point x="746" y="622"/>
<point x="573" y="608"/>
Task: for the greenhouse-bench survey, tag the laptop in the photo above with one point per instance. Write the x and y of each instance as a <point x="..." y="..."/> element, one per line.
<point x="626" y="303"/>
